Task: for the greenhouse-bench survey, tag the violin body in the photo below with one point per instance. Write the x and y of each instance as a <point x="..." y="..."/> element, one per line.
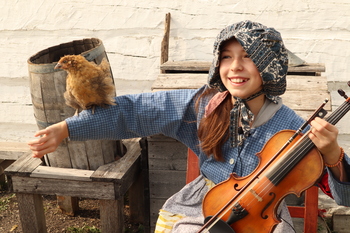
<point x="249" y="204"/>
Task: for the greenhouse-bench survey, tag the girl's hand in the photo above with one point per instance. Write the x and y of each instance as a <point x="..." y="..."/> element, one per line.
<point x="324" y="135"/>
<point x="50" y="139"/>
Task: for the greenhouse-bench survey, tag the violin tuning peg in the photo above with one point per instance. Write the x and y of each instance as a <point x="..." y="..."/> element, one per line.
<point x="342" y="93"/>
<point x="349" y="83"/>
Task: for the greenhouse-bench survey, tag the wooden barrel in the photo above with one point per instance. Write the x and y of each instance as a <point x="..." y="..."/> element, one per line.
<point x="47" y="86"/>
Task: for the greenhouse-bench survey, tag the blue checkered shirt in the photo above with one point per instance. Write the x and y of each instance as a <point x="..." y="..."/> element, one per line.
<point x="173" y="114"/>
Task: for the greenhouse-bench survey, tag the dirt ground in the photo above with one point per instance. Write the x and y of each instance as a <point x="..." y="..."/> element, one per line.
<point x="87" y="220"/>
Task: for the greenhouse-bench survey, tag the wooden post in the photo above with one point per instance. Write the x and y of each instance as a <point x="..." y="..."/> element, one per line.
<point x="311" y="209"/>
<point x="68" y="205"/>
<point x="139" y="196"/>
<point x="3" y="165"/>
<point x="165" y="42"/>
<point x="31" y="211"/>
<point x="112" y="216"/>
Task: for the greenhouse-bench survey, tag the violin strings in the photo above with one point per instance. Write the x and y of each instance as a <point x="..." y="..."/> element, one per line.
<point x="268" y="184"/>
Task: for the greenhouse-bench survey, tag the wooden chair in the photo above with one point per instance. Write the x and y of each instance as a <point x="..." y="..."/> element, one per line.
<point x="309" y="211"/>
<point x="29" y="179"/>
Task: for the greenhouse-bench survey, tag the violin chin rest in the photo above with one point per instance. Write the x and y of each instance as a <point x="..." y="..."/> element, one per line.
<point x="219" y="227"/>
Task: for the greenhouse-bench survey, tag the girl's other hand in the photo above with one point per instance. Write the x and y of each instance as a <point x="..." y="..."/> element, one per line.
<point x="50" y="139"/>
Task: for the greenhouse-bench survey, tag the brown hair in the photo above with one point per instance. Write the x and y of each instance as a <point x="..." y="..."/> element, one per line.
<point x="213" y="129"/>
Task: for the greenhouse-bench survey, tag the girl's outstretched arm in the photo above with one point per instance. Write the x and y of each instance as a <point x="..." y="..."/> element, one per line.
<point x="50" y="139"/>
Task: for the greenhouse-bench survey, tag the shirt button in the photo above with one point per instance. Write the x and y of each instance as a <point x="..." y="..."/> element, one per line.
<point x="232" y="161"/>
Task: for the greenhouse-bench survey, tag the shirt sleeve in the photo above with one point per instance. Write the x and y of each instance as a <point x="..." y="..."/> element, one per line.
<point x="340" y="190"/>
<point x="171" y="113"/>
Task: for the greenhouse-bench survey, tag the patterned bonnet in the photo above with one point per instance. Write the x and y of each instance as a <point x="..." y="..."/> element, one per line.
<point x="266" y="49"/>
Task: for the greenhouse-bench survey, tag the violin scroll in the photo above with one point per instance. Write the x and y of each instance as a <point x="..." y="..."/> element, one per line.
<point x="342" y="92"/>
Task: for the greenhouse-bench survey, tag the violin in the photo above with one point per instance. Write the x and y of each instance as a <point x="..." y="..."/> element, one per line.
<point x="289" y="163"/>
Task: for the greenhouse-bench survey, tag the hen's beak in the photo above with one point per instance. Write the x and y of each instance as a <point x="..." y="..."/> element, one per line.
<point x="58" y="66"/>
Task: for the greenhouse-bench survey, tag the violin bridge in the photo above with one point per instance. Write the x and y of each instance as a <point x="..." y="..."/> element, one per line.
<point x="252" y="191"/>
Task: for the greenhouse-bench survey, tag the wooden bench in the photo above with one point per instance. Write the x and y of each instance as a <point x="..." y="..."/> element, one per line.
<point x="29" y="179"/>
<point x="168" y="159"/>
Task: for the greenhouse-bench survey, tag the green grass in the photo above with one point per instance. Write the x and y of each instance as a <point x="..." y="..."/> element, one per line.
<point x="5" y="201"/>
<point x="85" y="229"/>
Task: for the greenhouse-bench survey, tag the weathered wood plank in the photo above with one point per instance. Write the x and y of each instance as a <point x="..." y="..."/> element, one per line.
<point x="60" y="157"/>
<point x="62" y="173"/>
<point x="164" y="55"/>
<point x="77" y="152"/>
<point x="23" y="166"/>
<point x="305" y="100"/>
<point x="60" y="87"/>
<point x="163" y="163"/>
<point x="185" y="66"/>
<point x="179" y="81"/>
<point x="31" y="212"/>
<point x="165" y="183"/>
<point x="68" y="205"/>
<point x="304" y="93"/>
<point x="139" y="198"/>
<point x="165" y="155"/>
<point x="12" y="150"/>
<point x="307" y="68"/>
<point x="3" y="165"/>
<point x="112" y="215"/>
<point x="109" y="150"/>
<point x="50" y="102"/>
<point x="156" y="205"/>
<point x="341" y="223"/>
<point x="122" y="172"/>
<point x="160" y="137"/>
<point x="37" y="99"/>
<point x="74" y="188"/>
<point x="137" y="201"/>
<point x="205" y="66"/>
<point x="93" y="153"/>
<point x="194" y="81"/>
<point x="299" y="82"/>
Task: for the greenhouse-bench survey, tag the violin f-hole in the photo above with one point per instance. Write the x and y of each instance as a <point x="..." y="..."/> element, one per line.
<point x="236" y="187"/>
<point x="267" y="205"/>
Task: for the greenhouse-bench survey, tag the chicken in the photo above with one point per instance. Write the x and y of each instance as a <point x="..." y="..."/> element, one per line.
<point x="87" y="85"/>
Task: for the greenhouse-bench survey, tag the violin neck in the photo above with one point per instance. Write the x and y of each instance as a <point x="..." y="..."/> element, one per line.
<point x="305" y="145"/>
<point x="339" y="112"/>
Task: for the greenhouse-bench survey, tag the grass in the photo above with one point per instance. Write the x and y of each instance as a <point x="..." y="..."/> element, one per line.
<point x="85" y="229"/>
<point x="5" y="201"/>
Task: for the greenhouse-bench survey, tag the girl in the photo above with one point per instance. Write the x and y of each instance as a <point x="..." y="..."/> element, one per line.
<point x="225" y="122"/>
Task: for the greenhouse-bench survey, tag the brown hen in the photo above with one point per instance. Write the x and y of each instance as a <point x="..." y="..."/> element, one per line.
<point x="87" y="85"/>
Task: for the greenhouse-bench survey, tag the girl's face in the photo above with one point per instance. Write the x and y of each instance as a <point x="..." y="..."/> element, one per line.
<point x="237" y="71"/>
